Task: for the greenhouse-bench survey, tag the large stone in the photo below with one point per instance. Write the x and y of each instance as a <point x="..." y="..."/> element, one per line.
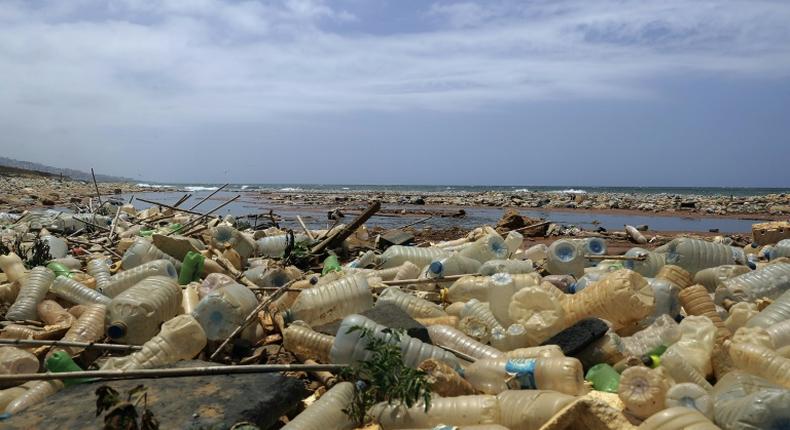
<point x="388" y="315"/>
<point x="215" y="402"/>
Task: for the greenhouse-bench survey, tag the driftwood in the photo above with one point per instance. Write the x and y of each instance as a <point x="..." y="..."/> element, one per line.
<point x="86" y="345"/>
<point x="348" y="230"/>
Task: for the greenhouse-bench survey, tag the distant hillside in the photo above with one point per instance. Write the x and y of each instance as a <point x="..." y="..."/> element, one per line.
<point x="57" y="171"/>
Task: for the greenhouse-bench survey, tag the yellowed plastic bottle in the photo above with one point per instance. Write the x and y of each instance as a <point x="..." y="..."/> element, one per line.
<point x="740" y="314"/>
<point x="14" y="360"/>
<point x="469" y="287"/>
<point x="675" y="275"/>
<point x="134" y="315"/>
<point x="500" y="293"/>
<point x="53" y="314"/>
<point x="190" y="298"/>
<point x="34" y="287"/>
<point x="13" y="267"/>
<point x="761" y="361"/>
<point x="643" y="390"/>
<point x="89" y="327"/>
<point x="76" y="292"/>
<point x="34" y="395"/>
<point x="539" y="311"/>
<point x="530" y="409"/>
<point x="122" y="281"/>
<point x="411" y="304"/>
<point x="455" y="339"/>
<point x="327" y="412"/>
<point x="495" y="375"/>
<point x="698" y="337"/>
<point x="100" y="270"/>
<point x="332" y="301"/>
<point x="622" y="297"/>
<point x="307" y="344"/>
<point x="696" y="301"/>
<point x="712" y="277"/>
<point x="678" y="418"/>
<point x="9" y="394"/>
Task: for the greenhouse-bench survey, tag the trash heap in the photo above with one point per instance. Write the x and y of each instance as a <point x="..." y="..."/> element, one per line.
<point x="692" y="334"/>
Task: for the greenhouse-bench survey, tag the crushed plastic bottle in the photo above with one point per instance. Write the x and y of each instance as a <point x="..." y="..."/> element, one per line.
<point x="623" y="297"/>
<point x="396" y="255"/>
<point x="540" y="311"/>
<point x="126" y="279"/>
<point x="143" y="251"/>
<point x="694" y="255"/>
<point x="761" y="361"/>
<point x="14" y="360"/>
<point x="411" y="304"/>
<point x="742" y="401"/>
<point x="455" y="339"/>
<point x="692" y="396"/>
<point x="678" y="418"/>
<point x="565" y="258"/>
<point x="663" y="331"/>
<point x="643" y="390"/>
<point x="89" y="327"/>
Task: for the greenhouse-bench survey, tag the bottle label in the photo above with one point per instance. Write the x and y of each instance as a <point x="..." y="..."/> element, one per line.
<point x="523" y="369"/>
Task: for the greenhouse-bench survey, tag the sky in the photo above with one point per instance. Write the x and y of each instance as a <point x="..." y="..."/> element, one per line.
<point x="497" y="92"/>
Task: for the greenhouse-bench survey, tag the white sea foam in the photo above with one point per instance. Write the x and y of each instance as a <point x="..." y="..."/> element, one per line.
<point x="144" y="185"/>
<point x="569" y="191"/>
<point x="521" y="190"/>
<point x="244" y="187"/>
<point x="290" y="189"/>
<point x="199" y="188"/>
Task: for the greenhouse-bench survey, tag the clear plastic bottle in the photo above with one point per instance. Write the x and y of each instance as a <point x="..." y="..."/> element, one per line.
<point x="513" y="241"/>
<point x="694" y="255"/>
<point x="675" y="275"/>
<point x="696" y="301"/>
<point x="643" y="390"/>
<point x="327" y="411"/>
<point x="693" y="350"/>
<point x="274" y="246"/>
<point x="350" y="348"/>
<point x="779" y="333"/>
<point x="189" y="298"/>
<point x="461" y="410"/>
<point x="407" y="270"/>
<point x="537" y="253"/>
<point x="500" y="292"/>
<point x="34" y="287"/>
<point x="469" y="287"/>
<point x="75" y="292"/>
<point x="565" y="258"/>
<point x="740" y="314"/>
<point x="143" y="251"/>
<point x="225" y="235"/>
<point x="89" y="327"/>
<point x="782" y="249"/>
<point x="481" y="312"/>
<point x="307" y="344"/>
<point x="744" y="401"/>
<point x="9" y="394"/>
<point x="13" y="267"/>
<point x="489" y="247"/>
<point x="776" y="312"/>
<point x="332" y="301"/>
<point x="491" y="267"/>
<point x="14" y="361"/>
<point x="100" y="270"/>
<point x="539" y="311"/>
<point x="761" y="361"/>
<point x="52" y="313"/>
<point x="126" y="279"/>
<point x="36" y="394"/>
<point x="455" y="264"/>
<point x="663" y="331"/>
<point x="588" y="279"/>
<point x="134" y="316"/>
<point x="396" y="255"/>
<point x="530" y="409"/>
<point x="770" y="281"/>
<point x="411" y="304"/>
<point x="681" y="370"/>
<point x="690" y="395"/>
<point x="712" y="277"/>
<point x="678" y="418"/>
<point x="224" y="309"/>
<point x="648" y="267"/>
<point x="622" y="297"/>
<point x="666" y="295"/>
<point x="561" y="282"/>
<point x="495" y="375"/>
<point x="635" y="234"/>
<point x="181" y="338"/>
<point x="455" y="339"/>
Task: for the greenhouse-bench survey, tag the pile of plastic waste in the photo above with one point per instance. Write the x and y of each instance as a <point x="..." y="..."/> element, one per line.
<point x="693" y="334"/>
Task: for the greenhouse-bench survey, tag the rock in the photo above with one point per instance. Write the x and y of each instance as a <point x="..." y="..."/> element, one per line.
<point x="385" y="314"/>
<point x="418" y="201"/>
<point x="215" y="402"/>
<point x="47" y="201"/>
<point x="575" y="338"/>
<point x="688" y="205"/>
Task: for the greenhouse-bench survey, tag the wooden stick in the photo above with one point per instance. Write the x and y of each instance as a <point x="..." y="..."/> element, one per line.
<point x="304" y="227"/>
<point x="91" y="224"/>
<point x="615" y="257"/>
<point x="96" y="185"/>
<point x="197" y="220"/>
<point x="252" y="316"/>
<point x="169" y="207"/>
<point x="348" y="230"/>
<point x="87" y="345"/>
<point x="450" y="278"/>
<point x="183" y="198"/>
<point x="114" y="223"/>
<point x="172" y="373"/>
<point x="415" y="222"/>
<point x="540" y="224"/>
<point x="208" y="197"/>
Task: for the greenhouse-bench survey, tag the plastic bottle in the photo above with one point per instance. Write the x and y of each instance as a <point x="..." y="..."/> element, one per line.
<point x="59" y="269"/>
<point x="9" y="394"/>
<point x="690" y="395"/>
<point x="350" y="348"/>
<point x="53" y="314"/>
<point x="134" y="316"/>
<point x="513" y="241"/>
<point x="191" y="268"/>
<point x="743" y="401"/>
<point x="100" y="270"/>
<point x="411" y="304"/>
<point x="565" y="258"/>
<point x="143" y="251"/>
<point x="14" y="360"/>
<point x="89" y="327"/>
<point x="770" y="281"/>
<point x="407" y="270"/>
<point x="469" y="287"/>
<point x="589" y="278"/>
<point x="740" y="314"/>
<point x="536" y="253"/>
<point x="663" y="331"/>
<point x="489" y="247"/>
<point x="36" y="394"/>
<point x="274" y="246"/>
<point x="491" y="267"/>
<point x="779" y="333"/>
<point x="694" y="255"/>
<point x="332" y="301"/>
<point x="500" y="293"/>
<point x="603" y="378"/>
<point x="455" y="339"/>
<point x="635" y="234"/>
<point x="396" y="255"/>
<point x="530" y="409"/>
<point x="623" y="297"/>
<point x="761" y="361"/>
<point x="327" y="411"/>
<point x="13" y="267"/>
<point x="491" y="375"/>
<point x="681" y="370"/>
<point x="455" y="264"/>
<point x="34" y="287"/>
<point x="776" y="312"/>
<point x="181" y="338"/>
<point x="696" y="301"/>
<point x="514" y="337"/>
<point x="675" y="275"/>
<point x="60" y="361"/>
<point x="561" y="282"/>
<point x="712" y="277"/>
<point x="126" y="279"/>
<point x="306" y="343"/>
<point x="782" y="249"/>
<point x="678" y="418"/>
<point x="224" y="309"/>
<point x="75" y="292"/>
<point x="225" y="235"/>
<point x="539" y="311"/>
<point x="189" y="298"/>
<point x="481" y="313"/>
<point x="643" y="390"/>
<point x="666" y="296"/>
<point x="648" y="267"/>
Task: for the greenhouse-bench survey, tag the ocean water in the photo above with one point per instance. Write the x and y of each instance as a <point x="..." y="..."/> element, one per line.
<point x="416" y="189"/>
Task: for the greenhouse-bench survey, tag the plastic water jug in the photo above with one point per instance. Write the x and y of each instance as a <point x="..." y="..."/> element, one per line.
<point x="134" y="316"/>
<point x="224" y="309"/>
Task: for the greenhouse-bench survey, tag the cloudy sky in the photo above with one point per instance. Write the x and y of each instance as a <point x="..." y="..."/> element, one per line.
<point x="577" y="92"/>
